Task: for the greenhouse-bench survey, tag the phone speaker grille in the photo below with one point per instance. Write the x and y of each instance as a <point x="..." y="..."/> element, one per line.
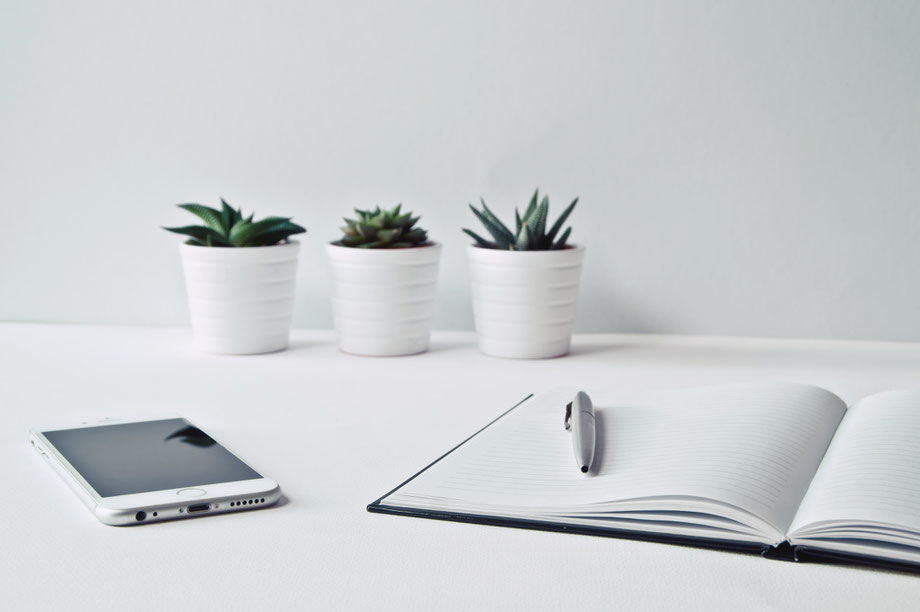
<point x="247" y="502"/>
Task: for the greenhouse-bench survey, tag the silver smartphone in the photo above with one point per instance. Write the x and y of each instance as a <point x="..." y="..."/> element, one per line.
<point x="131" y="472"/>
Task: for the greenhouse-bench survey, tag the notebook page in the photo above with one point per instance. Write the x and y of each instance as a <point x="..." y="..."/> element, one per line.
<point x="871" y="471"/>
<point x="755" y="447"/>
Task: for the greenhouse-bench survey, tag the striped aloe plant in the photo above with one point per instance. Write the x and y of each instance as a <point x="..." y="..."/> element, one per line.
<point x="229" y="228"/>
<point x="530" y="233"/>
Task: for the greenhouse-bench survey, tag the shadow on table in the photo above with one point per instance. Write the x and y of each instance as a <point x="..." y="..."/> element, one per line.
<point x="597" y="349"/>
<point x="282" y="501"/>
<point x="436" y="346"/>
<point x="446" y="346"/>
<point x="300" y="345"/>
<point x="443" y="346"/>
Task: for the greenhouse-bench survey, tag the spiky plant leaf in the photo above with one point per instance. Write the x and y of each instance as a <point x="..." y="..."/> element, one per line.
<point x="532" y="239"/>
<point x="275" y="235"/>
<point x="367" y="231"/>
<point x="207" y="214"/>
<point x="228" y="228"/>
<point x="389" y="235"/>
<point x="479" y="239"/>
<point x="529" y="220"/>
<point x="539" y="225"/>
<point x="244" y="231"/>
<point x="226" y="216"/>
<point x="382" y="229"/>
<point x="416" y="235"/>
<point x="494" y="219"/>
<point x="533" y="203"/>
<point x="560" y="244"/>
<point x="522" y="243"/>
<point x="530" y="228"/>
<point x="551" y="234"/>
<point x="200" y="234"/>
<point x="499" y="232"/>
<point x="379" y="220"/>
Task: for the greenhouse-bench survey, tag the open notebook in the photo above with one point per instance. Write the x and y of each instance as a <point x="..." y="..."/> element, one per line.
<point x="784" y="469"/>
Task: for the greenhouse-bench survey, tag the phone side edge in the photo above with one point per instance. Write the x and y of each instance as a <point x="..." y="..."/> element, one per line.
<point x="42" y="446"/>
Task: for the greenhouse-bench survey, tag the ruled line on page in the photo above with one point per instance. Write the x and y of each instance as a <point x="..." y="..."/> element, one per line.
<point x="871" y="471"/>
<point x="751" y="446"/>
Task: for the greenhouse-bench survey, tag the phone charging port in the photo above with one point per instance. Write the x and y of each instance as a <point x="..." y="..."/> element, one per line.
<point x="199" y="508"/>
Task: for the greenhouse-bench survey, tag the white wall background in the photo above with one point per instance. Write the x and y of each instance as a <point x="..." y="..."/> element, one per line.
<point x="744" y="167"/>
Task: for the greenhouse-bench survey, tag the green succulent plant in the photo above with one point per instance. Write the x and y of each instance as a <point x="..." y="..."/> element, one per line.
<point x="229" y="228"/>
<point x="530" y="232"/>
<point x="382" y="229"/>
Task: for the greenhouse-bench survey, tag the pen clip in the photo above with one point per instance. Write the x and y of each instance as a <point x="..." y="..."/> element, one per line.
<point x="568" y="416"/>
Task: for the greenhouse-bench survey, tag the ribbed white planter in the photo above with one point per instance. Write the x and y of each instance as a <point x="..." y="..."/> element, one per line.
<point x="524" y="301"/>
<point x="241" y="299"/>
<point x="383" y="299"/>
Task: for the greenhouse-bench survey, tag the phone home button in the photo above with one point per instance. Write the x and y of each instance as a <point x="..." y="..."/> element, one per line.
<point x="191" y="492"/>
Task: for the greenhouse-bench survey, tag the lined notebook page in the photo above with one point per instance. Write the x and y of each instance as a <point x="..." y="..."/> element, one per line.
<point x="871" y="471"/>
<point x="755" y="447"/>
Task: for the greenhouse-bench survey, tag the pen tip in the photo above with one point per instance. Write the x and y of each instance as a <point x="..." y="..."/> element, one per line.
<point x="584" y="469"/>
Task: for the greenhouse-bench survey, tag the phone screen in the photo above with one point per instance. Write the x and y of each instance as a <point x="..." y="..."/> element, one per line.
<point x="147" y="456"/>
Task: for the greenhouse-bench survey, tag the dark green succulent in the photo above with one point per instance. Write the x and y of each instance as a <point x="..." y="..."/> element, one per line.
<point x="530" y="232"/>
<point x="228" y="228"/>
<point x="382" y="229"/>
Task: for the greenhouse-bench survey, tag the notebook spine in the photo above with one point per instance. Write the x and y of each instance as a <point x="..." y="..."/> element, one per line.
<point x="781" y="552"/>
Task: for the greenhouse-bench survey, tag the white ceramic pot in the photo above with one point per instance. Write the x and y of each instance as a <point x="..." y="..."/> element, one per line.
<point x="524" y="301"/>
<point x="241" y="299"/>
<point x="383" y="299"/>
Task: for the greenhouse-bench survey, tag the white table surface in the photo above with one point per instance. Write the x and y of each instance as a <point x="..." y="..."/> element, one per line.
<point x="337" y="431"/>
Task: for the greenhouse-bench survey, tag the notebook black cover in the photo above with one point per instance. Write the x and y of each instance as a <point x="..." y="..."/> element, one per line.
<point x="783" y="552"/>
